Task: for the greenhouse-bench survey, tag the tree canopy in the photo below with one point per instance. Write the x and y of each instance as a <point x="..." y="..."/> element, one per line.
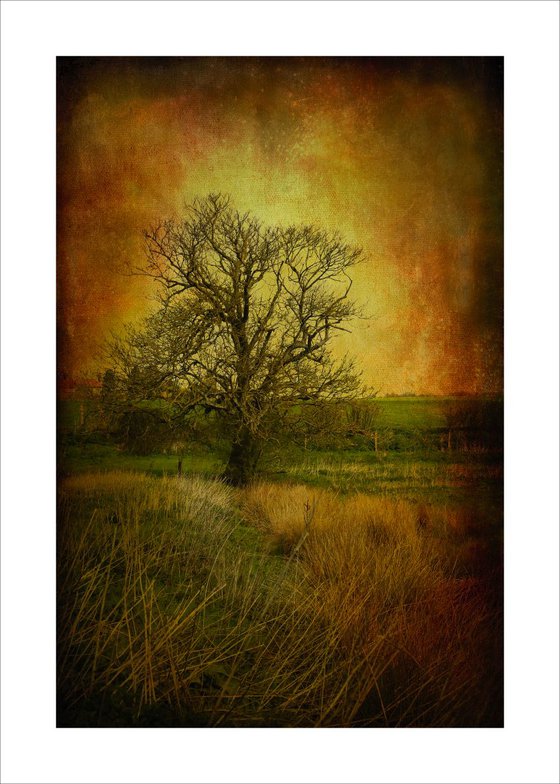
<point x="244" y="325"/>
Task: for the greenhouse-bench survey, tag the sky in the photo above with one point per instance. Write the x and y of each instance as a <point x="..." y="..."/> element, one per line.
<point x="401" y="156"/>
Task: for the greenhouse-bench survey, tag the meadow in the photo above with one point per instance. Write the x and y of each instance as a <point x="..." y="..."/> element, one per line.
<point x="345" y="587"/>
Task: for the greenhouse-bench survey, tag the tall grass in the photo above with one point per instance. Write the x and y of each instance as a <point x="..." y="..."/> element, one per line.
<point x="182" y="602"/>
<point x="398" y="584"/>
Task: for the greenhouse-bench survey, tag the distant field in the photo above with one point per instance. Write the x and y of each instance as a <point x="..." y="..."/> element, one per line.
<point x="412" y="412"/>
<point x="406" y="413"/>
<point x="412" y="459"/>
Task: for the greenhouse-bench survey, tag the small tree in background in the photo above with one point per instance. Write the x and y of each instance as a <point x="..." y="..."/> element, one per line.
<point x="244" y="328"/>
<point x="321" y="423"/>
<point x="363" y="418"/>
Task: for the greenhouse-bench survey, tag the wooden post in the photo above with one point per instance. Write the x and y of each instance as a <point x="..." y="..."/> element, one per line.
<point x="375" y="440"/>
<point x="180" y="467"/>
<point x="449" y="439"/>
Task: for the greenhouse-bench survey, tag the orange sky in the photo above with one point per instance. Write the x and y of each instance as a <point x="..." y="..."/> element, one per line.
<point x="402" y="156"/>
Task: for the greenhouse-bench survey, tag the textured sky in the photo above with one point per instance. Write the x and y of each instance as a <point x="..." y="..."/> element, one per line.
<point x="402" y="156"/>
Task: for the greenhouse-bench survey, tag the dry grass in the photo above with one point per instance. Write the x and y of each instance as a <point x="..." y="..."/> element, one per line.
<point x="182" y="602"/>
<point x="387" y="576"/>
<point x="135" y="578"/>
<point x="281" y="510"/>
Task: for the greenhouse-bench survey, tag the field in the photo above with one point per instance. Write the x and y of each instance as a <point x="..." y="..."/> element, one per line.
<point x="345" y="587"/>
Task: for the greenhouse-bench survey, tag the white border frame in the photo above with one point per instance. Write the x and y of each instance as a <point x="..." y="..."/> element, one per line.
<point x="33" y="33"/>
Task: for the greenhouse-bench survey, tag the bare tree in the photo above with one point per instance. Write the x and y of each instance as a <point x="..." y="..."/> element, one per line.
<point x="244" y="324"/>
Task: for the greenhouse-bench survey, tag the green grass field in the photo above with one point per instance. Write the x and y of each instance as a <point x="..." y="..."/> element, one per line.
<point x="412" y="412"/>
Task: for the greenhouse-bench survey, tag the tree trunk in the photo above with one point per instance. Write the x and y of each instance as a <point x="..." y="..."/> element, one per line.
<point x="243" y="457"/>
